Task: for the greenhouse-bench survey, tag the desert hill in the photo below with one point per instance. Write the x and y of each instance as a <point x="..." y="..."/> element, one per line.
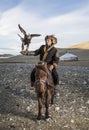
<point x="84" y="45"/>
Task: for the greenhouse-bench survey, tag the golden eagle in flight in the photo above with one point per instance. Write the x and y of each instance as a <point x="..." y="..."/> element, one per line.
<point x="26" y="40"/>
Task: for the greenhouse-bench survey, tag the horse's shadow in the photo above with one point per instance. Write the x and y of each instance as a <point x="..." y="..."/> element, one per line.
<point x="9" y="103"/>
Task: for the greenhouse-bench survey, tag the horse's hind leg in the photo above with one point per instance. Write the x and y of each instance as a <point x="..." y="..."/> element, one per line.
<point x="52" y="99"/>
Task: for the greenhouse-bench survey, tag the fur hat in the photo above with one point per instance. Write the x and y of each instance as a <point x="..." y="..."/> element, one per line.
<point x="52" y="37"/>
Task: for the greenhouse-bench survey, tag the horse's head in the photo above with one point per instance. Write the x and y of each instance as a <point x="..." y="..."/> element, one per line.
<point x="41" y="77"/>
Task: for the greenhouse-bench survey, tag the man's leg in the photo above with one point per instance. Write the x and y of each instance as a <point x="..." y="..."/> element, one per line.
<point x="56" y="81"/>
<point x="33" y="77"/>
<point x="55" y="77"/>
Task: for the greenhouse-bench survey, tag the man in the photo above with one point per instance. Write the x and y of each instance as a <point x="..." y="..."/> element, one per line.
<point x="49" y="54"/>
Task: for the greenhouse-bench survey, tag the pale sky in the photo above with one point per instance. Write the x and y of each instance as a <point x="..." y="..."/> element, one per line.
<point x="68" y="20"/>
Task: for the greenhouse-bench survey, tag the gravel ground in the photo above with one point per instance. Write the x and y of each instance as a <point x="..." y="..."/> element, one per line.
<point x="18" y="102"/>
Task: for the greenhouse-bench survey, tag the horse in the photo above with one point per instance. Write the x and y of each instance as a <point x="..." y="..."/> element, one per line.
<point x="44" y="88"/>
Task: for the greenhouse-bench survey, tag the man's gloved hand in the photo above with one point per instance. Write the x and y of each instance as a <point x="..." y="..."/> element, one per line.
<point x="28" y="53"/>
<point x="51" y="67"/>
<point x="24" y="52"/>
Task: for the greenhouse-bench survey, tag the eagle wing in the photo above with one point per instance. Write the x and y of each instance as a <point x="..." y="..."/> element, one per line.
<point x="30" y="36"/>
<point x="21" y="29"/>
<point x="35" y="35"/>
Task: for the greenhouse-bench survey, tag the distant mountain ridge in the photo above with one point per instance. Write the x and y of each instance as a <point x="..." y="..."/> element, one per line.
<point x="5" y="55"/>
<point x="84" y="45"/>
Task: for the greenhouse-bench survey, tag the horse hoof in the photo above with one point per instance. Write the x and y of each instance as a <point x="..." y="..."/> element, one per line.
<point x="39" y="118"/>
<point x="52" y="103"/>
<point x="47" y="117"/>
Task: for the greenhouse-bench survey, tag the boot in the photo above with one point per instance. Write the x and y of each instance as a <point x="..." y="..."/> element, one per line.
<point x="32" y="84"/>
<point x="56" y="91"/>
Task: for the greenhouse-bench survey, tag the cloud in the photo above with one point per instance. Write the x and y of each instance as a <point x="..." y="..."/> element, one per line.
<point x="70" y="28"/>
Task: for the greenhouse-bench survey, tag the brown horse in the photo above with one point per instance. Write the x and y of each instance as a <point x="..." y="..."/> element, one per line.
<point x="44" y="88"/>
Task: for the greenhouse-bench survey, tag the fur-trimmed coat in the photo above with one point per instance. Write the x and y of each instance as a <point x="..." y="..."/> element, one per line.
<point x="50" y="55"/>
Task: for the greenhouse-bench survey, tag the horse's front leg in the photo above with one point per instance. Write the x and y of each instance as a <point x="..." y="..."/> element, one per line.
<point x="48" y="97"/>
<point x="52" y="97"/>
<point x="39" y="107"/>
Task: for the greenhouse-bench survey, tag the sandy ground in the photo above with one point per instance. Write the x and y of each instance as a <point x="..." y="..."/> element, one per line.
<point x="18" y="102"/>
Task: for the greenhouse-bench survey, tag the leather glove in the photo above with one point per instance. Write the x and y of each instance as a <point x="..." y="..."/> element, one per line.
<point x="28" y="53"/>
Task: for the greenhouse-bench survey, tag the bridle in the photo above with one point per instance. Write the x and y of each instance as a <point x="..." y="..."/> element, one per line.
<point x="41" y="82"/>
<point x="38" y="81"/>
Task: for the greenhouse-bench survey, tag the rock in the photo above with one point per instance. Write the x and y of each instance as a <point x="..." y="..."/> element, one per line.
<point x="57" y="108"/>
<point x="84" y="82"/>
<point x="22" y="90"/>
<point x="60" y="82"/>
<point x="28" y="108"/>
<point x="87" y="102"/>
<point x="66" y="126"/>
<point x="72" y="121"/>
<point x="11" y="119"/>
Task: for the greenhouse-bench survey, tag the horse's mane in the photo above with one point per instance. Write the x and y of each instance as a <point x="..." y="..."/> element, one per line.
<point x="44" y="68"/>
<point x="41" y="67"/>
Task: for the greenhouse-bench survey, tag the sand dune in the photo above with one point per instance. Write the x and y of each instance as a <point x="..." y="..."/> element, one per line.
<point x="84" y="45"/>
